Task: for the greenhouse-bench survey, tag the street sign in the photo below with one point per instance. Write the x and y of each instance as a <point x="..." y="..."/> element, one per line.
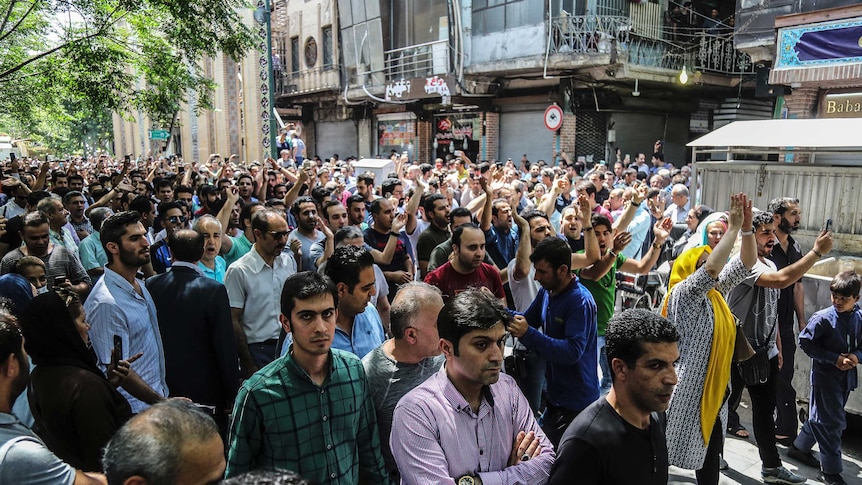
<point x="553" y="117"/>
<point x="161" y="135"/>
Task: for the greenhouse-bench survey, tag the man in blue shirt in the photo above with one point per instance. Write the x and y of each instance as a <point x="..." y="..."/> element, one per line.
<point x="358" y="327"/>
<point x="566" y="312"/>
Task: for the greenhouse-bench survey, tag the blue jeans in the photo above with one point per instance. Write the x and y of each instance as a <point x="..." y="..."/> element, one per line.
<point x="603" y="363"/>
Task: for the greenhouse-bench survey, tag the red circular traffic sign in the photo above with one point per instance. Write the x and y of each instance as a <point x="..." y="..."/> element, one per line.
<point x="553" y="117"/>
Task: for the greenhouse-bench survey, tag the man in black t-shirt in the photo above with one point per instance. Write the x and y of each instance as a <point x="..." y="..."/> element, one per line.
<point x="620" y="438"/>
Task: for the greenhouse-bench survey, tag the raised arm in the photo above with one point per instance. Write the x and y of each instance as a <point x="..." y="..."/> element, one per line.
<point x="525" y="248"/>
<point x="591" y="252"/>
<point x="718" y="258"/>
<point x="224" y="218"/>
<point x="485" y="223"/>
<point x="413" y="205"/>
<point x="639" y="193"/>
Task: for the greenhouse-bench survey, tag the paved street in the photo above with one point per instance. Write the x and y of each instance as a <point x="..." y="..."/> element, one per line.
<point x="744" y="461"/>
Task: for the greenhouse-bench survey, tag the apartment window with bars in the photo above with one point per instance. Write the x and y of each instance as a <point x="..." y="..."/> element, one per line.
<point x="327" y="47"/>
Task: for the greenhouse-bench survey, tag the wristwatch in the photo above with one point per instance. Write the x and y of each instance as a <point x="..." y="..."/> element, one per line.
<point x="468" y="480"/>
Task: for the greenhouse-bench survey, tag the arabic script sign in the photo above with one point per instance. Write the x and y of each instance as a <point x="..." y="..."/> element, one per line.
<point x="419" y="88"/>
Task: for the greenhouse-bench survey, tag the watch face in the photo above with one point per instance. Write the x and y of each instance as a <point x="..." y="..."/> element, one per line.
<point x="466" y="481"/>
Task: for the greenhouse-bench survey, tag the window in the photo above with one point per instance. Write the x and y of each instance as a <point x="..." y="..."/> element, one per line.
<point x="499" y="15"/>
<point x="294" y="54"/>
<point x="327" y="47"/>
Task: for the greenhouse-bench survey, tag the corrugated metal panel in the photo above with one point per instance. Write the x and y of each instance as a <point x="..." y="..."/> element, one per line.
<point x="823" y="192"/>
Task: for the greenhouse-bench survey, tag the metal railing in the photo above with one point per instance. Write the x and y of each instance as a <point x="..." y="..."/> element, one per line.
<point x="288" y="83"/>
<point x="715" y="53"/>
<point x="420" y="60"/>
<point x="586" y="34"/>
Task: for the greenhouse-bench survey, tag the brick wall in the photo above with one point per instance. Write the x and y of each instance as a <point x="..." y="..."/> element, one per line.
<point x="802" y="103"/>
<point x="567" y="135"/>
<point x="491" y="140"/>
<point x="424" y="133"/>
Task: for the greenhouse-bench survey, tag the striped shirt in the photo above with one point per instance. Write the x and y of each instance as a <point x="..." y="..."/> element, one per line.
<point x="326" y="433"/>
<point x="115" y="308"/>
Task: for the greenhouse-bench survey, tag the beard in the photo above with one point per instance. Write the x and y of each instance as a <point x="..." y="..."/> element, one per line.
<point x="785" y="227"/>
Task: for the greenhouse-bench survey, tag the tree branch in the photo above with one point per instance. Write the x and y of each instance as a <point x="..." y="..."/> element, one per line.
<point x="26" y="14"/>
<point x="8" y="13"/>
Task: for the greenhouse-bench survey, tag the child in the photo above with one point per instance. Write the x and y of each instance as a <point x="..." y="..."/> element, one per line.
<point x="833" y="339"/>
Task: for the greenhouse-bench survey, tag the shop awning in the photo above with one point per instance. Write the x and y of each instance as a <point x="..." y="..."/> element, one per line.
<point x="832" y="133"/>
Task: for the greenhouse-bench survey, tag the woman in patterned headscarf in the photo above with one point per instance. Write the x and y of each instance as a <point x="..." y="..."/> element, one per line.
<point x="695" y="304"/>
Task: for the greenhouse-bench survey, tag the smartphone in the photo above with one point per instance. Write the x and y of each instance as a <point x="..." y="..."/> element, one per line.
<point x="118" y="350"/>
<point x="306" y="165"/>
<point x="12" y="156"/>
<point x="59" y="280"/>
<point x="128" y="157"/>
<point x="828" y="226"/>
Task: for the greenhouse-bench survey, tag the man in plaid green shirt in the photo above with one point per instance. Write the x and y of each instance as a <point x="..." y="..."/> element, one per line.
<point x="308" y="411"/>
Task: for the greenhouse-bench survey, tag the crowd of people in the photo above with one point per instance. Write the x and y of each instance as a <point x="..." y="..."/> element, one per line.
<point x="166" y="321"/>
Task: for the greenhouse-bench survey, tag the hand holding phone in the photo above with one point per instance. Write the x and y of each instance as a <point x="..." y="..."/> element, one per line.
<point x="117" y="354"/>
<point x="828" y="226"/>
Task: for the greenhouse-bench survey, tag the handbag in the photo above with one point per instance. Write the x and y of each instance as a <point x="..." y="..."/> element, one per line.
<point x="755" y="370"/>
<point x="742" y="349"/>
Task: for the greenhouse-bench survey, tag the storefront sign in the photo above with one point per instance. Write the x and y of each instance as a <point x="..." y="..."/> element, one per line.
<point x="841" y="105"/>
<point x="419" y="88"/>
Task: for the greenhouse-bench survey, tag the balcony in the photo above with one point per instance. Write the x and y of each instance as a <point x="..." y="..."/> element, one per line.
<point x="288" y="83"/>
<point x="421" y="60"/>
<point x="638" y="40"/>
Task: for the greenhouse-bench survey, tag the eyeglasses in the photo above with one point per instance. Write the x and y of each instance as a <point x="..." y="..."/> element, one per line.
<point x="177" y="219"/>
<point x="278" y="234"/>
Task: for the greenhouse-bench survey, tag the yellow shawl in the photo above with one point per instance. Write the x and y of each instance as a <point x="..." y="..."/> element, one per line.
<point x="723" y="339"/>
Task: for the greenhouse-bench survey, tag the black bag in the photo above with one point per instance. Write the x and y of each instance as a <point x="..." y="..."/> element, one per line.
<point x="755" y="371"/>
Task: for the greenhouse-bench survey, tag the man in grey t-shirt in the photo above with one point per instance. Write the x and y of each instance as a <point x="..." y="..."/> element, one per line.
<point x="755" y="303"/>
<point x="406" y="360"/>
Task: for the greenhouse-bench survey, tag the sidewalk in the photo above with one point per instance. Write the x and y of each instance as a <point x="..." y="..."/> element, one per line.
<point x="741" y="455"/>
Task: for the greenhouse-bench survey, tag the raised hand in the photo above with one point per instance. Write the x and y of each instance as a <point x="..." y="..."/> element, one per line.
<point x="621" y="240"/>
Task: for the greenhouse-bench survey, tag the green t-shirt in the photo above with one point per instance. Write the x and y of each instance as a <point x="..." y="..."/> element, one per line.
<point x="604" y="292"/>
<point x="241" y="247"/>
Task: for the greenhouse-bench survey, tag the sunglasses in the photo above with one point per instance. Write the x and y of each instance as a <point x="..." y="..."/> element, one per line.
<point x="278" y="234"/>
<point x="177" y="219"/>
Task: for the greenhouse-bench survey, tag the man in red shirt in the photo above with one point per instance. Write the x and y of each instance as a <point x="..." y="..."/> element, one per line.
<point x="466" y="268"/>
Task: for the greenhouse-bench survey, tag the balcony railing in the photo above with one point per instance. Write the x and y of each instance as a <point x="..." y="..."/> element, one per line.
<point x="600" y="34"/>
<point x="288" y="83"/>
<point x="421" y="60"/>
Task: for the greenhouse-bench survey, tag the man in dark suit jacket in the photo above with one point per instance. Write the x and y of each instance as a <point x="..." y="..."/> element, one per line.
<point x="194" y="319"/>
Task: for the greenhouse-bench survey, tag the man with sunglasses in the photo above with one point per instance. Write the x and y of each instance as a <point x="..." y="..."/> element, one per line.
<point x="172" y="217"/>
<point x="254" y="284"/>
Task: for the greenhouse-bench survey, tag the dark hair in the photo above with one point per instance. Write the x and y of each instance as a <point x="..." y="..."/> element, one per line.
<point x="586" y="186"/>
<point x="185" y="189"/>
<point x="164" y="207"/>
<point x="273" y="202"/>
<point x="495" y="203"/>
<point x="302" y="200"/>
<point x="366" y="177"/>
<point x="325" y="209"/>
<point x="761" y="218"/>
<point x="429" y="200"/>
<point x="408" y="302"/>
<point x="601" y="220"/>
<point x="245" y="212"/>
<point x="77" y="177"/>
<point x="34" y="197"/>
<point x="472" y="309"/>
<point x="388" y="186"/>
<point x="148" y="186"/>
<point x="846" y="283"/>
<point x="355" y="199"/>
<point x="186" y="245"/>
<point x="162" y="183"/>
<point x="701" y="212"/>
<point x="11" y="337"/>
<point x="629" y="330"/>
<point x="459" y="232"/>
<point x="346" y="263"/>
<point x="114" y="228"/>
<point x="459" y="212"/>
<point x="58" y="174"/>
<point x="658" y="155"/>
<point x="376" y="205"/>
<point x="781" y="204"/>
<point x="70" y="194"/>
<point x="530" y="215"/>
<point x="151" y="444"/>
<point x="244" y="176"/>
<point x="142" y="204"/>
<point x="305" y="285"/>
<point x="553" y="250"/>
